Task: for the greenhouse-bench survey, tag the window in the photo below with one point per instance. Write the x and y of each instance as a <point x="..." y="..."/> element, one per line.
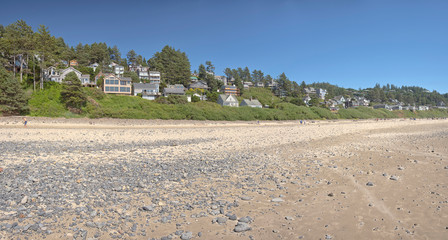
<point x="116" y="82"/>
<point x="107" y="81"/>
<point x="107" y="89"/>
<point x="125" y="89"/>
<point x="122" y="82"/>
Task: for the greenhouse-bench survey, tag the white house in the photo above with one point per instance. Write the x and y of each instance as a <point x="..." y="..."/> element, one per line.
<point x="228" y="100"/>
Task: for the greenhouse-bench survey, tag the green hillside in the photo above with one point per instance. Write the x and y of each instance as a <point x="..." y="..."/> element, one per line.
<point x="47" y="103"/>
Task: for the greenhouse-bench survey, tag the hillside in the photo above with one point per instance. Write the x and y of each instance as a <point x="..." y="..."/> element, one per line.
<point x="47" y="103"/>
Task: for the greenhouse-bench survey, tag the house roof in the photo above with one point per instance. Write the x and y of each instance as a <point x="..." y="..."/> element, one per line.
<point x="125" y="78"/>
<point x="174" y="91"/>
<point x="227" y="98"/>
<point x="253" y="102"/>
<point x="146" y="86"/>
<point x="199" y="84"/>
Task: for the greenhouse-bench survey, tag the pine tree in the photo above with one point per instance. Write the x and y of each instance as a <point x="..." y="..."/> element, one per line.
<point x="72" y="94"/>
<point x="12" y="97"/>
<point x="173" y="65"/>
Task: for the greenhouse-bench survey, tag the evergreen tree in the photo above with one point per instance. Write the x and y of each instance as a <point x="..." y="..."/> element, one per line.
<point x="12" y="97"/>
<point x="173" y="65"/>
<point x="202" y="72"/>
<point x="132" y="57"/>
<point x="210" y="67"/>
<point x="72" y="94"/>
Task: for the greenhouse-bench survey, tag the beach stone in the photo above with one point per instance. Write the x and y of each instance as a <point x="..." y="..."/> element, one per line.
<point x="395" y="178"/>
<point x="221" y="220"/>
<point x="370" y="184"/>
<point x="245" y="219"/>
<point x="186" y="236"/>
<point x="277" y="200"/>
<point x="148" y="208"/>
<point x="24" y="200"/>
<point x="242" y="227"/>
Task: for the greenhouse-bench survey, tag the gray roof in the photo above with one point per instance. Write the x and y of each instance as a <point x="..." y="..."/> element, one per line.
<point x="253" y="102"/>
<point x="174" y="91"/>
<point x="145" y="86"/>
<point x="126" y="78"/>
<point x="199" y="84"/>
<point x="224" y="97"/>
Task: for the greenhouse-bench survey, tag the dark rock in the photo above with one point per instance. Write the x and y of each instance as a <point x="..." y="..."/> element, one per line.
<point x="242" y="227"/>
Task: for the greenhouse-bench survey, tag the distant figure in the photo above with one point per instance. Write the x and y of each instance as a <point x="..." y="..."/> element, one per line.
<point x="258" y="122"/>
<point x="24" y="121"/>
<point x="300" y="121"/>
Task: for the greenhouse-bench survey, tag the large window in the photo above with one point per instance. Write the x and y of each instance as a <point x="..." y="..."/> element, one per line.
<point x="122" y="82"/>
<point x="125" y="89"/>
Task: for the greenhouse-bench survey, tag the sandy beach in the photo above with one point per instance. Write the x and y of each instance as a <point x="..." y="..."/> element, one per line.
<point x="163" y="179"/>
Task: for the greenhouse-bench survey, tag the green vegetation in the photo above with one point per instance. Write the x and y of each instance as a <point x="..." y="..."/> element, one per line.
<point x="173" y="65"/>
<point x="12" y="97"/>
<point x="72" y="93"/>
<point x="48" y="103"/>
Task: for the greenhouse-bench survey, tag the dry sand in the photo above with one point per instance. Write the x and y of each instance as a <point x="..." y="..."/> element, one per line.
<point x="322" y="180"/>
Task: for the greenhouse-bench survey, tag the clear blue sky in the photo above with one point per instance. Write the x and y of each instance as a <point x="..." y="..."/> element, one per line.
<point x="350" y="43"/>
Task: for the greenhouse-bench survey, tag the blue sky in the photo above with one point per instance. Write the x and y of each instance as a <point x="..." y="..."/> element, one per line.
<point x="350" y="43"/>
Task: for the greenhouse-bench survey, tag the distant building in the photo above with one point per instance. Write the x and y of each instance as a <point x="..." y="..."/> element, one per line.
<point x="56" y="75"/>
<point x="259" y="84"/>
<point x="73" y="63"/>
<point x="339" y="100"/>
<point x="199" y="85"/>
<point x="385" y="106"/>
<point x="229" y="90"/>
<point x="306" y="99"/>
<point x="154" y="77"/>
<point x="117" y="85"/>
<point x="145" y="87"/>
<point x="321" y="93"/>
<point x="143" y="73"/>
<point x="228" y="100"/>
<point x="93" y="66"/>
<point x="251" y="103"/>
<point x="176" y="89"/>
<point x="149" y="91"/>
<point x="118" y="70"/>
<point x="423" y="108"/>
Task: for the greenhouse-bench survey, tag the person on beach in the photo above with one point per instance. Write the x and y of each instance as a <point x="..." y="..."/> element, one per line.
<point x="24" y="121"/>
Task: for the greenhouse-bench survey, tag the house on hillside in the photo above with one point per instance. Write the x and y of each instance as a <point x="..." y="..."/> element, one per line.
<point x="340" y="100"/>
<point x="117" y="85"/>
<point x="251" y="103"/>
<point x="154" y="77"/>
<point x="306" y="99"/>
<point x="199" y="85"/>
<point x="423" y="108"/>
<point x="149" y="91"/>
<point x="118" y="70"/>
<point x="56" y="75"/>
<point x="385" y="106"/>
<point x="259" y="84"/>
<point x="321" y="93"/>
<point x="145" y="87"/>
<point x="73" y="63"/>
<point x="309" y="90"/>
<point x="143" y="73"/>
<point x="229" y="90"/>
<point x="93" y="66"/>
<point x="176" y="89"/>
<point x="228" y="100"/>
